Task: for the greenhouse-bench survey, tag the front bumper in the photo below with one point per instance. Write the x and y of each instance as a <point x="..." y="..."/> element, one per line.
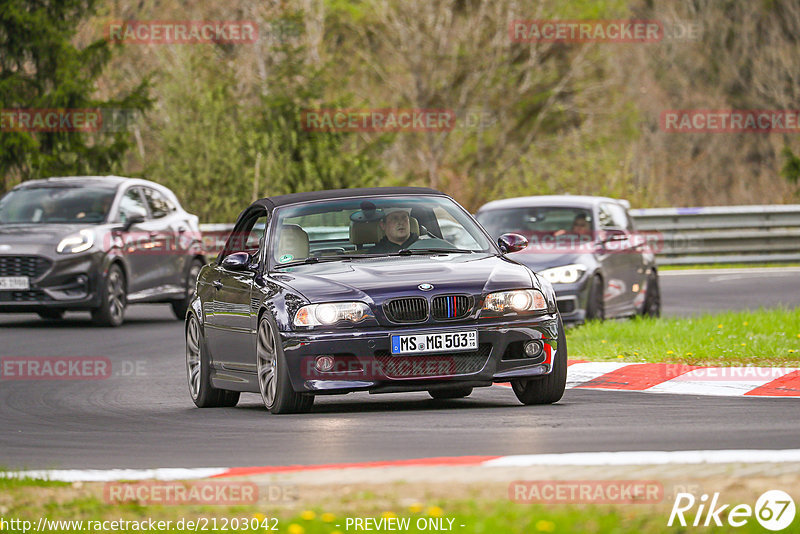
<point x="65" y="283"/>
<point x="572" y="300"/>
<point x="363" y="359"/>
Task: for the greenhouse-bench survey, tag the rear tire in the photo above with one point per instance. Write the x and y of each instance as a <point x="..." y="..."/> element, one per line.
<point x="550" y="388"/>
<point x="51" y="315"/>
<point x="113" y="299"/>
<point x="198" y="372"/>
<point x="274" y="383"/>
<point x="652" y="299"/>
<point x="595" y="306"/>
<point x="452" y="393"/>
<point x="180" y="307"/>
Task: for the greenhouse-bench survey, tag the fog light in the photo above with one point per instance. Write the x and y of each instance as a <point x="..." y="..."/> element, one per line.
<point x="324" y="363"/>
<point x="533" y="349"/>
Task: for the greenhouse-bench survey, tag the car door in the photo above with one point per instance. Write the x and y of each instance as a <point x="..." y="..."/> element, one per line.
<point x="230" y="327"/>
<point x="135" y="242"/>
<point x="627" y="258"/>
<point x="163" y="233"/>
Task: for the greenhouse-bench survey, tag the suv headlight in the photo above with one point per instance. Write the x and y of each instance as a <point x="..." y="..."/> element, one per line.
<point x="80" y="242"/>
<point x="519" y="301"/>
<point x="331" y="313"/>
<point x="568" y="274"/>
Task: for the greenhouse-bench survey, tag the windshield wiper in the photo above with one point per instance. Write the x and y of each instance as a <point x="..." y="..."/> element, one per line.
<point x="410" y="251"/>
<point x="320" y="259"/>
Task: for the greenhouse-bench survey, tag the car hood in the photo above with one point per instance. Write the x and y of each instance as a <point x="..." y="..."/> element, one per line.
<point x="537" y="261"/>
<point x="380" y="278"/>
<point x="37" y="234"/>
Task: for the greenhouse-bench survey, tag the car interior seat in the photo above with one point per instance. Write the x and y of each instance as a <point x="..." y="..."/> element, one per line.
<point x="293" y="242"/>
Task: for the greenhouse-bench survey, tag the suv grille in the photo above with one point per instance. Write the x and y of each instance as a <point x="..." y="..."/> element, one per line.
<point x="450" y="307"/>
<point x="434" y="364"/>
<point x="30" y="266"/>
<point x="407" y="310"/>
<point x="34" y="295"/>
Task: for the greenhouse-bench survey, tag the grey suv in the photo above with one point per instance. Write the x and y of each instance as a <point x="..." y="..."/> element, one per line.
<point x="96" y="244"/>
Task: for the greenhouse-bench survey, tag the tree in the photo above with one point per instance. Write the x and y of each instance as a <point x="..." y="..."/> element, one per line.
<point x="41" y="69"/>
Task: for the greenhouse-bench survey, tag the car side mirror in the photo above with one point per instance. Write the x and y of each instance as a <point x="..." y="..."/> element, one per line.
<point x="238" y="261"/>
<point x="509" y="243"/>
<point x="131" y="222"/>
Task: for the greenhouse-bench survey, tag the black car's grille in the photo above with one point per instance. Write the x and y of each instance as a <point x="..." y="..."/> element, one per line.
<point x="434" y="364"/>
<point x="450" y="307"/>
<point x="30" y="266"/>
<point x="34" y="295"/>
<point x="406" y="310"/>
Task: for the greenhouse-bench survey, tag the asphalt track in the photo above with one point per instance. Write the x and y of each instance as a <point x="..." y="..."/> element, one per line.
<point x="142" y="416"/>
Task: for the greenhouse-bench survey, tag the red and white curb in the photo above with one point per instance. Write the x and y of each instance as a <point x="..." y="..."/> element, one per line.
<point x="685" y="379"/>
<point x="621" y="458"/>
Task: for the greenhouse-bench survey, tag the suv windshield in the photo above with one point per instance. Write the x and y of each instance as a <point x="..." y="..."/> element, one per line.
<point x="538" y="221"/>
<point x="59" y="205"/>
<point x="343" y="228"/>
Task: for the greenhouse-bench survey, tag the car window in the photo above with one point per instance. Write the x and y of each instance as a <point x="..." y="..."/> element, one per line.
<point x="132" y="205"/>
<point x="604" y="217"/>
<point x="537" y="221"/>
<point x="619" y="218"/>
<point x="56" y="205"/>
<point x="452" y="231"/>
<point x="246" y="237"/>
<point x="159" y="205"/>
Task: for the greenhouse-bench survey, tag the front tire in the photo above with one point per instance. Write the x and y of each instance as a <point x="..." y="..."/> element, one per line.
<point x="550" y="388"/>
<point x="595" y="307"/>
<point x="113" y="299"/>
<point x="273" y="375"/>
<point x="652" y="300"/>
<point x="180" y="307"/>
<point x="198" y="373"/>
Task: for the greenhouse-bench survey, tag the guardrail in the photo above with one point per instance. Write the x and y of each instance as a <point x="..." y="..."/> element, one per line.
<point x="722" y="234"/>
<point x="690" y="236"/>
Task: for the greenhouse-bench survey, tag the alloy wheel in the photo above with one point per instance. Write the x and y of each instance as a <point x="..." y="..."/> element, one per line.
<point x="267" y="364"/>
<point x="193" y="357"/>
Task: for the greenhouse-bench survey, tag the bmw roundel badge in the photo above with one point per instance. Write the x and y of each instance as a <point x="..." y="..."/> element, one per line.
<point x="425" y="287"/>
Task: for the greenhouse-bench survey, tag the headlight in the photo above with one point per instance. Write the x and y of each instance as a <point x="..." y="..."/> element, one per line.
<point x="75" y="243"/>
<point x="331" y="313"/>
<point x="568" y="274"/>
<point x="521" y="300"/>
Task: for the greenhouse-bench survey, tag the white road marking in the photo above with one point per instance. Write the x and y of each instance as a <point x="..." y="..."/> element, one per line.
<point x="745" y="271"/>
<point x="648" y="458"/>
<point x="109" y="475"/>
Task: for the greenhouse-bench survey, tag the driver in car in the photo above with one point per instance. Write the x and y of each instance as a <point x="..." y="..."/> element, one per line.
<point x="580" y="227"/>
<point x="396" y="226"/>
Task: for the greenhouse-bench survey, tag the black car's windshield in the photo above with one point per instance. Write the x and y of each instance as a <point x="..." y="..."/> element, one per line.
<point x="539" y="221"/>
<point x="374" y="226"/>
<point x="56" y="205"/>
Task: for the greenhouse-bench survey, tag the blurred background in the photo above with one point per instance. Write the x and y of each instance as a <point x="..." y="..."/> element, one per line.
<point x="221" y="123"/>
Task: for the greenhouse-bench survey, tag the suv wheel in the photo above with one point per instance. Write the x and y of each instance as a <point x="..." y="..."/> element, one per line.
<point x="113" y="299"/>
<point x="180" y="307"/>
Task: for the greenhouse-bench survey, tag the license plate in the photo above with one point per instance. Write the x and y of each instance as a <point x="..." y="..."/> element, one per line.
<point x="439" y="342"/>
<point x="14" y="282"/>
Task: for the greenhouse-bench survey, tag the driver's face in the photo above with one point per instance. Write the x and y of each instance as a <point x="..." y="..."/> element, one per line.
<point x="581" y="227"/>
<point x="396" y="226"/>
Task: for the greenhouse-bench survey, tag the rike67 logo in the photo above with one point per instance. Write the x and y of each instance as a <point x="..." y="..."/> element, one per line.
<point x="774" y="510"/>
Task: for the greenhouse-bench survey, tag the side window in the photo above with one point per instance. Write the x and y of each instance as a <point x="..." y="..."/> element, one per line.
<point x="618" y="216"/>
<point x="246" y="237"/>
<point x="132" y="205"/>
<point x="159" y="205"/>
<point x="604" y="217"/>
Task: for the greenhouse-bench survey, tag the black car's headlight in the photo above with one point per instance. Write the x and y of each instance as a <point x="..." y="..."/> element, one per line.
<point x="331" y="313"/>
<point x="517" y="301"/>
<point x="566" y="274"/>
<point x="80" y="242"/>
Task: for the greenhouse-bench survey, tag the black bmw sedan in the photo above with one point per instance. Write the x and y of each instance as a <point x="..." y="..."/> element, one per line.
<point x="96" y="244"/>
<point x="359" y="290"/>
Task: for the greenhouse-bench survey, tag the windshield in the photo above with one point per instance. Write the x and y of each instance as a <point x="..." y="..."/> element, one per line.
<point x="342" y="228"/>
<point x="538" y="221"/>
<point x="59" y="205"/>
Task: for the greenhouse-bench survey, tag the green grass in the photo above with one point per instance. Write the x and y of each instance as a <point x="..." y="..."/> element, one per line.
<point x="765" y="337"/>
<point x="724" y="266"/>
<point x="30" y="500"/>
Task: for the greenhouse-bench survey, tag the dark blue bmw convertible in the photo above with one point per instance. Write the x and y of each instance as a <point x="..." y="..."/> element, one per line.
<point x="380" y="290"/>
